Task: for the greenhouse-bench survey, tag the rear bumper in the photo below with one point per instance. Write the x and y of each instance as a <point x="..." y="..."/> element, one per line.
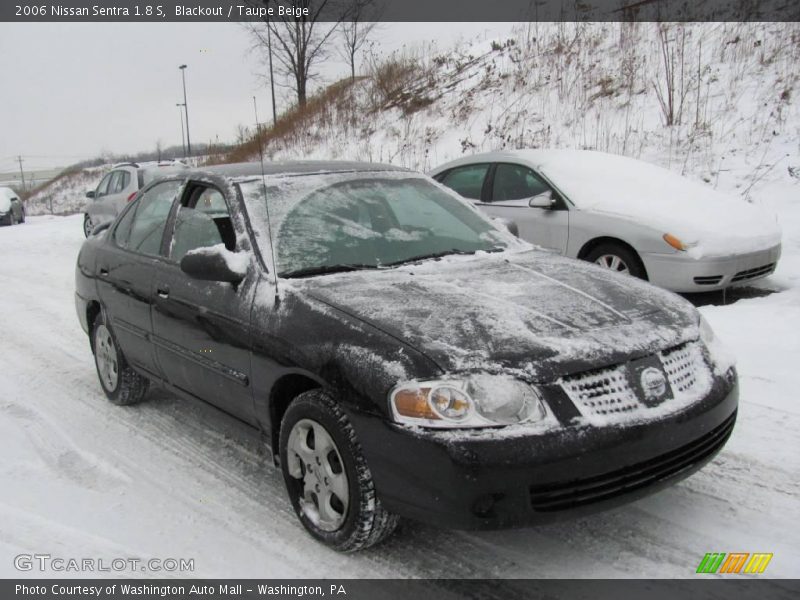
<point x="681" y="273"/>
<point x="482" y="481"/>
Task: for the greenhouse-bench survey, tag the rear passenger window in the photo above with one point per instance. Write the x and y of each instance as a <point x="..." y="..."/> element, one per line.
<point x="121" y="181"/>
<point x="142" y="228"/>
<point x="467" y="181"/>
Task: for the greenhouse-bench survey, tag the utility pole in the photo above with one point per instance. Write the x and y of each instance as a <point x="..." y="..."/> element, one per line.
<point x="21" y="172"/>
<point x="186" y="110"/>
<point x="183" y="135"/>
<point x="271" y="75"/>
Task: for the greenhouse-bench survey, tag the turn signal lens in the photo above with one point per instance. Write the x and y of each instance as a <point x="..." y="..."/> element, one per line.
<point x="132" y="196"/>
<point x="674" y="242"/>
<point x="414" y="403"/>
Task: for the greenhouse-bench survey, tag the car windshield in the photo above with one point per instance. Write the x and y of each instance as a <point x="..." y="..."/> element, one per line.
<point x="339" y="222"/>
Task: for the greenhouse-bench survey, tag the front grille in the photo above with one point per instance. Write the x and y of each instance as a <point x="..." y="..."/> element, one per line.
<point x="601" y="392"/>
<point x="708" y="280"/>
<point x="753" y="273"/>
<point x="580" y="492"/>
<point x="681" y="366"/>
<point x="606" y="392"/>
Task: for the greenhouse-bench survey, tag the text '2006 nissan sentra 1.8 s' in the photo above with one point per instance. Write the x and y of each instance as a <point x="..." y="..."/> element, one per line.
<point x="410" y="358"/>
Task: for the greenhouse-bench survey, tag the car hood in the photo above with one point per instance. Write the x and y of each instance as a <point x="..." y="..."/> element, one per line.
<point x="531" y="312"/>
<point x="5" y="204"/>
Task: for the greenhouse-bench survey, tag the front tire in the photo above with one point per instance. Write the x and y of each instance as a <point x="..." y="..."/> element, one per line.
<point x="87" y="225"/>
<point x="122" y="385"/>
<point x="329" y="483"/>
<point x="617" y="258"/>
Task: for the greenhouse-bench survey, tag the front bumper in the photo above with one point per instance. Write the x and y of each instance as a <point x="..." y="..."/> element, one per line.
<point x="483" y="481"/>
<point x="680" y="272"/>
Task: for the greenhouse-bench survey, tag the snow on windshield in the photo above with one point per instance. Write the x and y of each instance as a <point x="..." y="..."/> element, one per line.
<point x="363" y="220"/>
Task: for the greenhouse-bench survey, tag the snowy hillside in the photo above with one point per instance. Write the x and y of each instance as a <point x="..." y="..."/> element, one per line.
<point x="729" y="91"/>
<point x="66" y="194"/>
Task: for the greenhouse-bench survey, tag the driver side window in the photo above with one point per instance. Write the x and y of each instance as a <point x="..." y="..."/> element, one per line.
<point x="515" y="182"/>
<point x="142" y="227"/>
<point x="203" y="222"/>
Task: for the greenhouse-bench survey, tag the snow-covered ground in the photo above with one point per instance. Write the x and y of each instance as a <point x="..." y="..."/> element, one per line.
<point x="80" y="477"/>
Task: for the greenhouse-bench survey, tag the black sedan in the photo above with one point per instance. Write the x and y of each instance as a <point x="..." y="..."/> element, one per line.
<point x="404" y="355"/>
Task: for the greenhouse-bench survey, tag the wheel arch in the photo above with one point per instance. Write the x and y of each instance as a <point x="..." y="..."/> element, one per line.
<point x="93" y="310"/>
<point x="593" y="243"/>
<point x="285" y="389"/>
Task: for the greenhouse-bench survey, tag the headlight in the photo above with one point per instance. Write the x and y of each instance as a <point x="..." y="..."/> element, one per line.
<point x="474" y="401"/>
<point x="706" y="333"/>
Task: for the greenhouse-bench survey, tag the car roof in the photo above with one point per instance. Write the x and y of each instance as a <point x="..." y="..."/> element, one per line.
<point x="534" y="158"/>
<point x="301" y="167"/>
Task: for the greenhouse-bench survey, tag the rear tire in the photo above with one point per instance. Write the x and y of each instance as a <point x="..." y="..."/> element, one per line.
<point x="327" y="478"/>
<point x="122" y="385"/>
<point x="617" y="258"/>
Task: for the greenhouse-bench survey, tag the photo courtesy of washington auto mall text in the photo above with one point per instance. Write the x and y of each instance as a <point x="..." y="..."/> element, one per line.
<point x="400" y="299"/>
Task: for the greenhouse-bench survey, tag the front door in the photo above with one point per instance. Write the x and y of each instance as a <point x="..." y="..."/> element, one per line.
<point x="201" y="328"/>
<point x="512" y="188"/>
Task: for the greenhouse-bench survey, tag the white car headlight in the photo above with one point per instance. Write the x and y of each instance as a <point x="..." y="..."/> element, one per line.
<point x="472" y="401"/>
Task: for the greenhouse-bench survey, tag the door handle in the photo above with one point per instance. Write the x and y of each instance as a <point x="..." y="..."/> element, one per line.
<point x="163" y="292"/>
<point x="103" y="272"/>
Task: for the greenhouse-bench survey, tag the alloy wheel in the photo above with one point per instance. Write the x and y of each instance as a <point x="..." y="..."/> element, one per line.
<point x="314" y="459"/>
<point x="612" y="262"/>
<point x="105" y="354"/>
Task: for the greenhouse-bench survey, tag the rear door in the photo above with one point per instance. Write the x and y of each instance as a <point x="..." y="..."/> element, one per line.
<point x="126" y="267"/>
<point x="98" y="208"/>
<point x="118" y="191"/>
<point x="510" y="188"/>
<point x="202" y="328"/>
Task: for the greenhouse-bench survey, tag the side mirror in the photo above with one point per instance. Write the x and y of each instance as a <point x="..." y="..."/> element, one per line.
<point x="90" y="194"/>
<point x="215" y="263"/>
<point x="543" y="200"/>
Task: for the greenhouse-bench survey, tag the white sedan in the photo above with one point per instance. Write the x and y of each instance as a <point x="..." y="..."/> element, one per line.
<point x="623" y="214"/>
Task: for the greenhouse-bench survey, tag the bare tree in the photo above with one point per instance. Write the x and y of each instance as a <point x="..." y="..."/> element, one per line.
<point x="298" y="43"/>
<point x="355" y="32"/>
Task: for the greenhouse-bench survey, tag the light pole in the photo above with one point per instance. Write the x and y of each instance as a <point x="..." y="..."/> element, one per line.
<point x="186" y="110"/>
<point x="183" y="139"/>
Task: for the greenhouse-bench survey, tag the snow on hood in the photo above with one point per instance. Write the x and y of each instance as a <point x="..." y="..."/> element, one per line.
<point x="714" y="223"/>
<point x="530" y="312"/>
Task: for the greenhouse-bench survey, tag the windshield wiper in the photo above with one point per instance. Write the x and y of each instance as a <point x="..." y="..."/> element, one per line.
<point x="325" y="270"/>
<point x="440" y="255"/>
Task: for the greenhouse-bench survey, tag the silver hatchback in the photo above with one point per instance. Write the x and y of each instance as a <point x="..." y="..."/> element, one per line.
<point x="120" y="186"/>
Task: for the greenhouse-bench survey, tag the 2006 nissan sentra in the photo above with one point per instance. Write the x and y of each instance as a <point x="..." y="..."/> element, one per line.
<point x="404" y="355"/>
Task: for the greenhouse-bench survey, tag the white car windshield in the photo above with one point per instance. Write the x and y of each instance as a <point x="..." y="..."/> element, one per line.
<point x="335" y="222"/>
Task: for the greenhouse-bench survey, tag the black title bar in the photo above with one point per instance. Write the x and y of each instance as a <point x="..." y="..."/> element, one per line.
<point x="399" y="10"/>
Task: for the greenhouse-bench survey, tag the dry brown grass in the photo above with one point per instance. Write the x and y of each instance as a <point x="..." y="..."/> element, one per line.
<point x="319" y="107"/>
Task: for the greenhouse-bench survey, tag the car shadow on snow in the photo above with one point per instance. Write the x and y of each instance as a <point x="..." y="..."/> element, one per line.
<point x="728" y="296"/>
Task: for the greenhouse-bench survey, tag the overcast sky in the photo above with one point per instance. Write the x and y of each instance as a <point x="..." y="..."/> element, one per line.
<point x="72" y="91"/>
